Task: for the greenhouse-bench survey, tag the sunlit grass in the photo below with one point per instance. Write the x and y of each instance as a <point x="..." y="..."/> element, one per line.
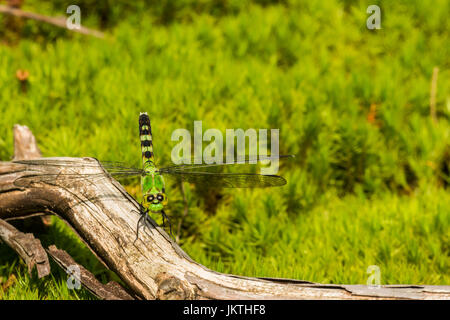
<point x="368" y="186"/>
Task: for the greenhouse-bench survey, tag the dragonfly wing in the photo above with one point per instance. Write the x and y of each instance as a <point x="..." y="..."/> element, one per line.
<point x="65" y="171"/>
<point x="190" y="164"/>
<point x="68" y="178"/>
<point x="112" y="167"/>
<point x="62" y="162"/>
<point x="229" y="180"/>
<point x="76" y="163"/>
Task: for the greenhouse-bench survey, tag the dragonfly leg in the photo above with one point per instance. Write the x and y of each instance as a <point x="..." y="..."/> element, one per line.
<point x="147" y="222"/>
<point x="164" y="216"/>
<point x="137" y="228"/>
<point x="143" y="218"/>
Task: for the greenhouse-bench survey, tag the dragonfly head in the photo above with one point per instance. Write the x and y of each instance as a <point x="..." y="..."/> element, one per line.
<point x="155" y="201"/>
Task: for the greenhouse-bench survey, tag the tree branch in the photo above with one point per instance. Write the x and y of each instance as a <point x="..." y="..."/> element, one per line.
<point x="59" y="22"/>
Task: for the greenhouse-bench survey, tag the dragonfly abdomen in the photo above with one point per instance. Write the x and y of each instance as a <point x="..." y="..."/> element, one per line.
<point x="145" y="132"/>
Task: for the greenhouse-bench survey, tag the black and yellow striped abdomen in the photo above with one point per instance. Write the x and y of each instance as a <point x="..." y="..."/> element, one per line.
<point x="145" y="133"/>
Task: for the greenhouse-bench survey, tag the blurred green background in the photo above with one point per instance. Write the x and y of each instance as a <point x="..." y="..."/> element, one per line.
<point x="369" y="185"/>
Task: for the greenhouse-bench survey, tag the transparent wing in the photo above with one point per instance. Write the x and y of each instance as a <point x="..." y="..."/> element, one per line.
<point x="111" y="166"/>
<point x="228" y="180"/>
<point x="66" y="178"/>
<point x="190" y="163"/>
<point x="64" y="171"/>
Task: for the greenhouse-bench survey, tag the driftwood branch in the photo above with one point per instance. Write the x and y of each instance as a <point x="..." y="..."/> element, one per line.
<point x="58" y="22"/>
<point x="154" y="267"/>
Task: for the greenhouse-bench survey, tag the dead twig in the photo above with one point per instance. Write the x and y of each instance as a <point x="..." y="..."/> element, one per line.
<point x="59" y="22"/>
<point x="433" y="91"/>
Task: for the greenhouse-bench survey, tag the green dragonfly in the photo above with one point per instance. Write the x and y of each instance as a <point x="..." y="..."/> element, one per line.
<point x="152" y="178"/>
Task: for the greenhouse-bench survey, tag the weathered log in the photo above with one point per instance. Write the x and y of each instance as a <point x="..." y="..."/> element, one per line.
<point x="154" y="267"/>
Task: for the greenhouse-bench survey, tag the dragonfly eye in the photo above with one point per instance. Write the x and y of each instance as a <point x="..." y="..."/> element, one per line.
<point x="150" y="198"/>
<point x="160" y="197"/>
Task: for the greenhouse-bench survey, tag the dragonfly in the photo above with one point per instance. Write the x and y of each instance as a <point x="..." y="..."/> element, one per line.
<point x="154" y="198"/>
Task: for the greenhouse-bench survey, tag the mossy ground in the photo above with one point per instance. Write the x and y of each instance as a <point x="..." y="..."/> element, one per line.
<point x="368" y="186"/>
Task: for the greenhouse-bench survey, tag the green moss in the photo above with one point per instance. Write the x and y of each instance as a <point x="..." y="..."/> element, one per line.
<point x="369" y="185"/>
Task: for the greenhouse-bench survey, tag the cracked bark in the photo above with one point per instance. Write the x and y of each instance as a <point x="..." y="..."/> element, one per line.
<point x="154" y="267"/>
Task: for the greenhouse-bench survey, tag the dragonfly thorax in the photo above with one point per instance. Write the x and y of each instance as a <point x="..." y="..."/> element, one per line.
<point x="153" y="190"/>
